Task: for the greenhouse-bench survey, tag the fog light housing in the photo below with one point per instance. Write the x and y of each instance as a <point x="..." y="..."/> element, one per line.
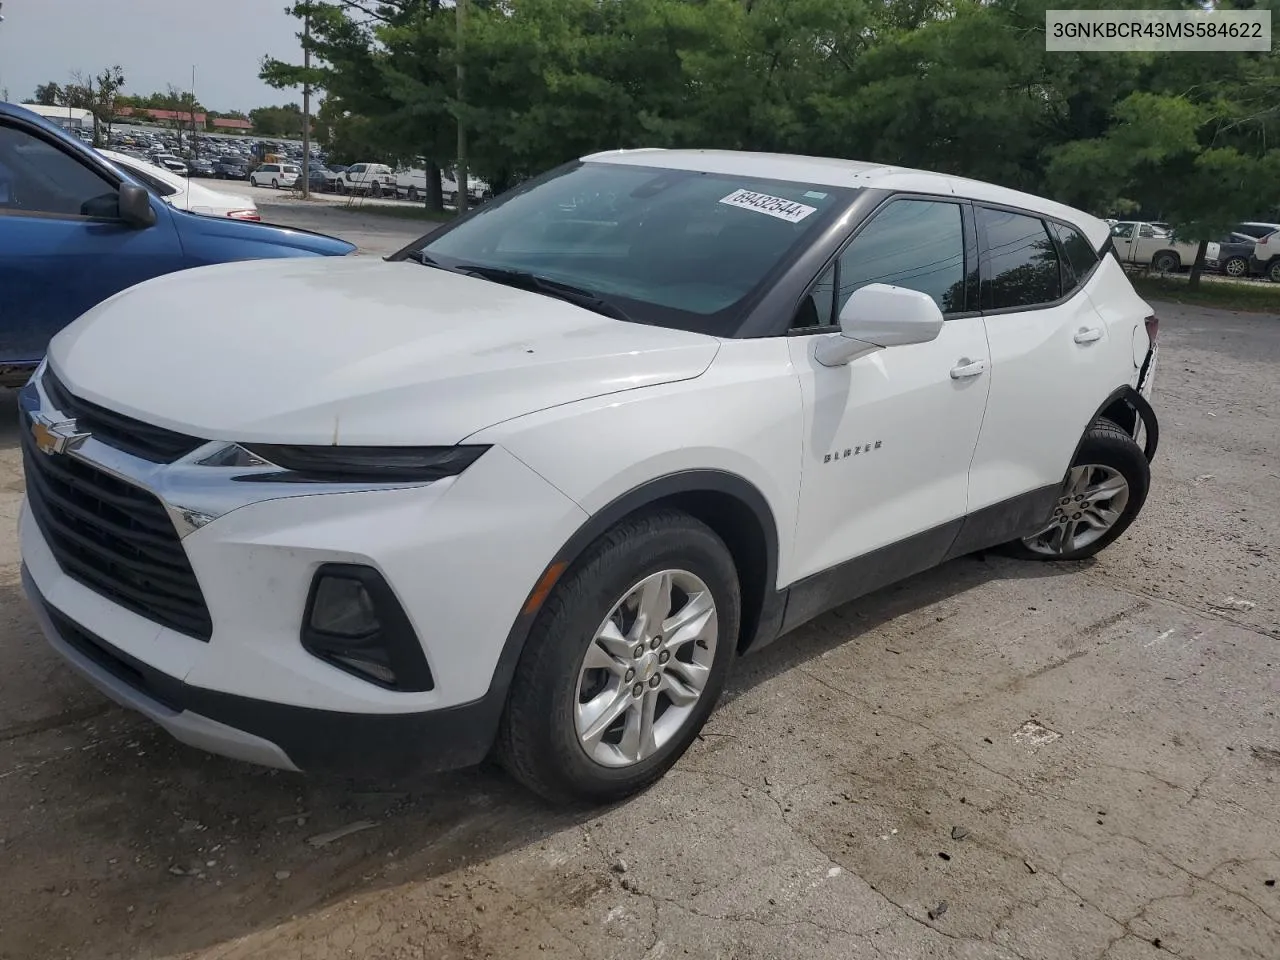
<point x="354" y="621"/>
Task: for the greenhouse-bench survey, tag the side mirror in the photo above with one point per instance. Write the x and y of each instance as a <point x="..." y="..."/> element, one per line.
<point x="878" y="316"/>
<point x="135" y="206"/>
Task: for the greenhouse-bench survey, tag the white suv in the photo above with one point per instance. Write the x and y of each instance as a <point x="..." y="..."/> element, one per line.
<point x="275" y="175"/>
<point x="535" y="483"/>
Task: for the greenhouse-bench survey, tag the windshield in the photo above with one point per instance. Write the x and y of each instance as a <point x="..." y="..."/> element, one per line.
<point x="673" y="248"/>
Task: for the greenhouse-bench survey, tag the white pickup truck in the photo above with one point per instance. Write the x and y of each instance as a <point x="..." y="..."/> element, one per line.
<point x="374" y="179"/>
<point x="1151" y="244"/>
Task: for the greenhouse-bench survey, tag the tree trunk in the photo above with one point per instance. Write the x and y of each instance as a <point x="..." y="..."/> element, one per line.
<point x="434" y="200"/>
<point x="1197" y="268"/>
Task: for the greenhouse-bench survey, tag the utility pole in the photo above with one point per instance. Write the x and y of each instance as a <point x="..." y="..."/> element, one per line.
<point x="306" y="107"/>
<point x="461" y="184"/>
<point x="195" y="148"/>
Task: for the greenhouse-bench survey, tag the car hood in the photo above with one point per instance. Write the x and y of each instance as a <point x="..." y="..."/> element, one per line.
<point x="353" y="351"/>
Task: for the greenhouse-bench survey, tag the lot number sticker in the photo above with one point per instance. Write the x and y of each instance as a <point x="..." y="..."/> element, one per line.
<point x="779" y="207"/>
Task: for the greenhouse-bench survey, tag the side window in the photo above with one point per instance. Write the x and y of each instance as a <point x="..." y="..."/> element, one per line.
<point x="1122" y="231"/>
<point x="358" y="168"/>
<point x="918" y="244"/>
<point x="1081" y="257"/>
<point x="1022" y="261"/>
<point x="38" y="177"/>
<point x="1147" y="231"/>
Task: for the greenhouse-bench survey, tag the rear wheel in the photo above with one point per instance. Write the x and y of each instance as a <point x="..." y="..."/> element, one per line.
<point x="625" y="661"/>
<point x="1273" y="270"/>
<point x="1103" y="493"/>
<point x="1236" y="267"/>
<point x="413" y="194"/>
<point x="275" y="184"/>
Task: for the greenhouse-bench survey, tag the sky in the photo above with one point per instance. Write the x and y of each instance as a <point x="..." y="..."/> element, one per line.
<point x="156" y="42"/>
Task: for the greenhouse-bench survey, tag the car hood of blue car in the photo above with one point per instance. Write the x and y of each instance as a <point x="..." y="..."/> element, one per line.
<point x="213" y="229"/>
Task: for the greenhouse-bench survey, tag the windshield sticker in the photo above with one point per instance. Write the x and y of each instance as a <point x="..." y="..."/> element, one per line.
<point x="779" y="207"/>
<point x="814" y="195"/>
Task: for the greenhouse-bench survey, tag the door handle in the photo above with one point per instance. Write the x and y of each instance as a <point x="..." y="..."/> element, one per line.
<point x="968" y="368"/>
<point x="1088" y="335"/>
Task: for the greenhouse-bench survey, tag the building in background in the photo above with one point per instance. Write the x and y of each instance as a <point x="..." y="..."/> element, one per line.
<point x="73" y="118"/>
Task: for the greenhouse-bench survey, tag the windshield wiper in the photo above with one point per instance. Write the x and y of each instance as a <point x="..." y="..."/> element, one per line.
<point x="522" y="279"/>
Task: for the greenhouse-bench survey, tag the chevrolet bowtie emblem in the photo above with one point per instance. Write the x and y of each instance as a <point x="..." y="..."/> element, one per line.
<point x="55" y="436"/>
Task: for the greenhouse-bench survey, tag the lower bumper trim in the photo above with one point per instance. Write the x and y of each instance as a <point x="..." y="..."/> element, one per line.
<point x="273" y="734"/>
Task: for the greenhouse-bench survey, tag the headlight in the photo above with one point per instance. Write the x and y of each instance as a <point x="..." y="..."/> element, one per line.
<point x="301" y="464"/>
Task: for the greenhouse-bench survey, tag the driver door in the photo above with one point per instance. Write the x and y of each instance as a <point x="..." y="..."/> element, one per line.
<point x="61" y="249"/>
<point x="888" y="438"/>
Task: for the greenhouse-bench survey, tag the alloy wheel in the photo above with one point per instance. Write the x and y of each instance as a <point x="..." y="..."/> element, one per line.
<point x="646" y="668"/>
<point x="1236" y="267"/>
<point x="1092" y="502"/>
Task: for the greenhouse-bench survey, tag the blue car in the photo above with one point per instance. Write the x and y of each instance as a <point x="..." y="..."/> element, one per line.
<point x="74" y="230"/>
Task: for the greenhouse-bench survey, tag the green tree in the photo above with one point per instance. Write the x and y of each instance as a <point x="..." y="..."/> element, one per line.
<point x="48" y="95"/>
<point x="1195" y="146"/>
<point x="283" y="121"/>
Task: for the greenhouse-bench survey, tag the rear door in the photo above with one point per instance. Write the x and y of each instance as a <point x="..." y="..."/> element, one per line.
<point x="63" y="248"/>
<point x="1053" y="358"/>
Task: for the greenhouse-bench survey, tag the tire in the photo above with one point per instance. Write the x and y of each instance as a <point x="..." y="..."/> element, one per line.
<point x="413" y="194"/>
<point x="1166" y="261"/>
<point x="275" y="184"/>
<point x="1106" y="456"/>
<point x="339" y="187"/>
<point x="538" y="738"/>
<point x="1236" y="267"/>
<point x="1273" y="270"/>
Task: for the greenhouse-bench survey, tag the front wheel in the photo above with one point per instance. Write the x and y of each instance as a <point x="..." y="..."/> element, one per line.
<point x="1103" y="493"/>
<point x="625" y="661"/>
<point x="1166" y="262"/>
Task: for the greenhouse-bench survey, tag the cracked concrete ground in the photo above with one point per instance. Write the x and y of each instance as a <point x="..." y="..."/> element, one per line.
<point x="994" y="760"/>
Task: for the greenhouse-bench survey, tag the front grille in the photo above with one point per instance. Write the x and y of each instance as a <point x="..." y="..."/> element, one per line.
<point x="135" y="437"/>
<point x="114" y="538"/>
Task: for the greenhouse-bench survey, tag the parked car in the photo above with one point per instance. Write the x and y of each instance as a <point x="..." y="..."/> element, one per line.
<point x="1230" y="254"/>
<point x="317" y="178"/>
<point x="200" y="167"/>
<point x="1265" y="259"/>
<point x="411" y="185"/>
<point x="231" y="168"/>
<point x="372" y="179"/>
<point x="275" y="175"/>
<point x="75" y="229"/>
<point x="477" y="190"/>
<point x="534" y="483"/>
<point x="170" y="162"/>
<point x="180" y="192"/>
<point x="1151" y="244"/>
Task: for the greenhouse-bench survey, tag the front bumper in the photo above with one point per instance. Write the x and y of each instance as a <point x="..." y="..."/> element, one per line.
<point x="460" y="554"/>
<point x="268" y="733"/>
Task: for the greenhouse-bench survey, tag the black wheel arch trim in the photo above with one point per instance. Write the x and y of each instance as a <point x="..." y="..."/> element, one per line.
<point x="650" y="492"/>
<point x="1140" y="407"/>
